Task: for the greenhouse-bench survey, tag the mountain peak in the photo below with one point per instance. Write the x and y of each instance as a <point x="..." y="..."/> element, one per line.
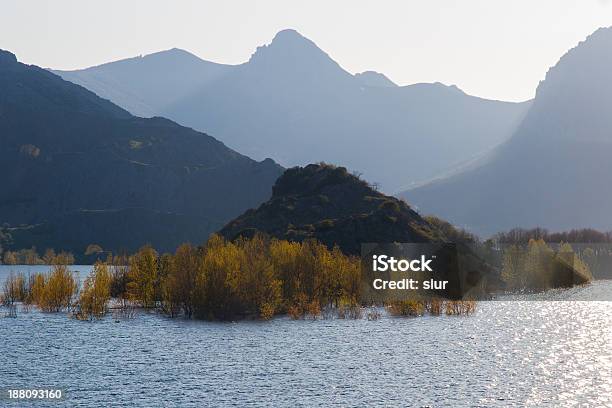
<point x="173" y="52"/>
<point x="590" y="61"/>
<point x="291" y="56"/>
<point x="289" y="44"/>
<point x="289" y="34"/>
<point x="576" y="93"/>
<point x="7" y="57"/>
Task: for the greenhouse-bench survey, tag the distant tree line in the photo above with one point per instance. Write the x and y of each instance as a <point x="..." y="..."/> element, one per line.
<point x="522" y="236"/>
<point x="32" y="257"/>
<point x="537" y="266"/>
<point x="591" y="247"/>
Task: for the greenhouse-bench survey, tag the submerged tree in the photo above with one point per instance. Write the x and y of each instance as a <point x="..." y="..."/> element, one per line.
<point x="143" y="269"/>
<point x="94" y="297"/>
<point x="57" y="290"/>
<point x="178" y="281"/>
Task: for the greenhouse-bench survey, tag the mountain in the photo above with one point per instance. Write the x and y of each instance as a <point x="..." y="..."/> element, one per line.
<point x="554" y="171"/>
<point x="145" y="85"/>
<point x="293" y="103"/>
<point x="79" y="170"/>
<point x="328" y="203"/>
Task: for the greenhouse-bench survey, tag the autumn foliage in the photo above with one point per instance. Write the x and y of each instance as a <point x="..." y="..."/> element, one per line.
<point x="95" y="294"/>
<point x="255" y="277"/>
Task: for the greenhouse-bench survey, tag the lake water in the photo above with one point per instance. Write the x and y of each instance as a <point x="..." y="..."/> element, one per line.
<point x="537" y="353"/>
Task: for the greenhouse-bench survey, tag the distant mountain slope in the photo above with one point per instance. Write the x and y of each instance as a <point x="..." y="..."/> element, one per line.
<point x="555" y="171"/>
<point x="327" y="203"/>
<point x="78" y="169"/>
<point x="146" y="85"/>
<point x="293" y="103"/>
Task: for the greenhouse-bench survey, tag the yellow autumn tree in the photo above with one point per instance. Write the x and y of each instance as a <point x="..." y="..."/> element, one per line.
<point x="215" y="285"/>
<point x="256" y="286"/>
<point x="95" y="294"/>
<point x="142" y="277"/>
<point x="179" y="277"/>
<point x="58" y="290"/>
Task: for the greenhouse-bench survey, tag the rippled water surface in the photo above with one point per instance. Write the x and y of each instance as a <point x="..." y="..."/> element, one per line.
<point x="537" y="353"/>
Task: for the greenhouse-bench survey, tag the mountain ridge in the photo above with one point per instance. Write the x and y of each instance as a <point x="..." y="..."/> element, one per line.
<point x="373" y="78"/>
<point x="80" y="170"/>
<point x="549" y="174"/>
<point x="304" y="107"/>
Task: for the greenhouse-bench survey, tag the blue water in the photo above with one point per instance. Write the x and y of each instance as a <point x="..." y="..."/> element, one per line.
<point x="508" y="354"/>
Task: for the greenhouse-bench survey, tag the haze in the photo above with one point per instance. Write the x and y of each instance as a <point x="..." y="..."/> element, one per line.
<point x="493" y="49"/>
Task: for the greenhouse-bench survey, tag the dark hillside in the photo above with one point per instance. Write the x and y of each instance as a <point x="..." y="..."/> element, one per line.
<point x="327" y="203"/>
<point x="76" y="168"/>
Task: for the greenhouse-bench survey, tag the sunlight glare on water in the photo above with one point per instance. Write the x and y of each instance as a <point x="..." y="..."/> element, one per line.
<point x="508" y="354"/>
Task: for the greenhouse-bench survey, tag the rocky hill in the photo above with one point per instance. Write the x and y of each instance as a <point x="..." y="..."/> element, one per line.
<point x="335" y="207"/>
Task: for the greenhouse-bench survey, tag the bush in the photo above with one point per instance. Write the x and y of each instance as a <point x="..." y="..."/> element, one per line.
<point x="142" y="286"/>
<point x="460" y="307"/>
<point x="407" y="308"/>
<point x="390" y="206"/>
<point x="179" y="281"/>
<point x="14" y="289"/>
<point x="57" y="290"/>
<point x="350" y="309"/>
<point x="94" y="297"/>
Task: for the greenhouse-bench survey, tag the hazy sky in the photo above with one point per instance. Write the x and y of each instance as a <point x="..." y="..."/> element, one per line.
<point x="490" y="48"/>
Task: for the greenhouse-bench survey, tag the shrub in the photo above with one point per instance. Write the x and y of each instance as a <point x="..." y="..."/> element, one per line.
<point x="390" y="206"/>
<point x="36" y="288"/>
<point x="94" y="297"/>
<point x="434" y="306"/>
<point x="178" y="283"/>
<point x="58" y="290"/>
<point x="142" y="286"/>
<point x="349" y="309"/>
<point x="373" y="314"/>
<point x="460" y="307"/>
<point x="408" y="307"/>
<point x="14" y="289"/>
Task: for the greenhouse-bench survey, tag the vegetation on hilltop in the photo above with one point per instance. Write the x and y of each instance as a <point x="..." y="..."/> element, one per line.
<point x="327" y="203"/>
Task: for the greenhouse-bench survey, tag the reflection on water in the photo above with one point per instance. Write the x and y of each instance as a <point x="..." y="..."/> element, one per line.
<point x="539" y="353"/>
